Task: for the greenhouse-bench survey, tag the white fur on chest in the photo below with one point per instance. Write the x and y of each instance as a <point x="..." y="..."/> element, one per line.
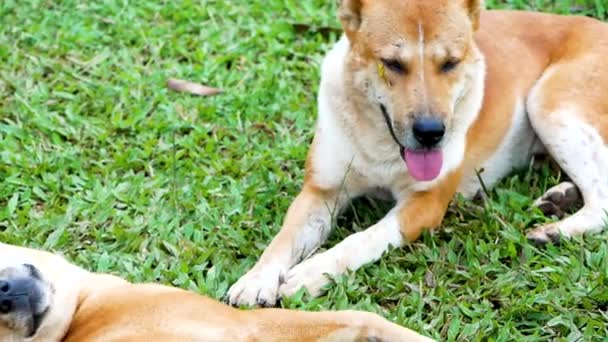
<point x="335" y="158"/>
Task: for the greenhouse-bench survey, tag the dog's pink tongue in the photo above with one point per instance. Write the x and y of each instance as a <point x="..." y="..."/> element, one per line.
<point x="424" y="165"/>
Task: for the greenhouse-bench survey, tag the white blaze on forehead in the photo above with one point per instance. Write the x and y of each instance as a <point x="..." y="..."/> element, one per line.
<point x="421" y="56"/>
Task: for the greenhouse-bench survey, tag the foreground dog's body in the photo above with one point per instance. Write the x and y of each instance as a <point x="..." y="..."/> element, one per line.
<point x="416" y="81"/>
<point x="44" y="296"/>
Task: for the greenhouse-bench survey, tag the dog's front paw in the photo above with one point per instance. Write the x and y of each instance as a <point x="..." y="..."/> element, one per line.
<point x="256" y="287"/>
<point x="311" y="274"/>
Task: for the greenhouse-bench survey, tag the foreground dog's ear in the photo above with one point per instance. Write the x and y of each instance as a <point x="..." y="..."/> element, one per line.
<point x="474" y="7"/>
<point x="349" y="13"/>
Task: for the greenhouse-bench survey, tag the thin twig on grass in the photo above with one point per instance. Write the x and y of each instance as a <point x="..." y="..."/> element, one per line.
<point x="192" y="88"/>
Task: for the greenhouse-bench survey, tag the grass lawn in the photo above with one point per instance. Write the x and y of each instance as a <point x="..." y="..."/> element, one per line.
<point x="99" y="161"/>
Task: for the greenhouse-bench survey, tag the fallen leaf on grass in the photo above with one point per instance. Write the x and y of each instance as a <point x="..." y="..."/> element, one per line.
<point x="191" y="87"/>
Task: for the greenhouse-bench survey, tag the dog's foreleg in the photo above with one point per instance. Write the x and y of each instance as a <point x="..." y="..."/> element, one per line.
<point x="422" y="210"/>
<point x="306" y="226"/>
<point x="353" y="252"/>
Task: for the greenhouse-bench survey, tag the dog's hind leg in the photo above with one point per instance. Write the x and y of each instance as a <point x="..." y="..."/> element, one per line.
<point x="568" y="117"/>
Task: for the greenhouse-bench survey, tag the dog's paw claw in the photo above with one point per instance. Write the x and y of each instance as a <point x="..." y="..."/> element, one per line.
<point x="310" y="274"/>
<point x="549" y="208"/>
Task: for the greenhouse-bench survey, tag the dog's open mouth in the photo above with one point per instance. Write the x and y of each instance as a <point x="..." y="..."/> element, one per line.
<point x="423" y="165"/>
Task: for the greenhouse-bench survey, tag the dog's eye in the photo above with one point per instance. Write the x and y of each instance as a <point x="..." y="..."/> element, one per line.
<point x="449" y="65"/>
<point x="394" y="65"/>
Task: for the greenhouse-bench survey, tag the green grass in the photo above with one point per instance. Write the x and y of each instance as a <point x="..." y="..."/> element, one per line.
<point x="99" y="161"/>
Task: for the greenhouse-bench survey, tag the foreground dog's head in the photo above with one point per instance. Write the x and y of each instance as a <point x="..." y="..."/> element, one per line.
<point x="38" y="294"/>
<point x="413" y="58"/>
<point x="25" y="300"/>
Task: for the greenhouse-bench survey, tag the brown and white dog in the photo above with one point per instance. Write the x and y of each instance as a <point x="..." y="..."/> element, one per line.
<point x="44" y="298"/>
<point x="417" y="96"/>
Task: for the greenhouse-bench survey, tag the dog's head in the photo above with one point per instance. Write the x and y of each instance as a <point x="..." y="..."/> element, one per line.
<point x="25" y="301"/>
<point x="415" y="60"/>
<point x="38" y="294"/>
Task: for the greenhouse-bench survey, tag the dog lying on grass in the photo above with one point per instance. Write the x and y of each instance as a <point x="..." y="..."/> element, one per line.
<point x="415" y="98"/>
<point x="45" y="298"/>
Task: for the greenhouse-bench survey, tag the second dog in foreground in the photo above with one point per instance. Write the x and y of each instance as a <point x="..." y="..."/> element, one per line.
<point x="43" y="298"/>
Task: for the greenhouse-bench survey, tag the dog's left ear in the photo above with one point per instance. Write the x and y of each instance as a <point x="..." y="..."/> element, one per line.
<point x="474" y="7"/>
<point x="349" y="13"/>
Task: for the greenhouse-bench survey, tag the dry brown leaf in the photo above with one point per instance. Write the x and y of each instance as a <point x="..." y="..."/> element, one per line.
<point x="192" y="88"/>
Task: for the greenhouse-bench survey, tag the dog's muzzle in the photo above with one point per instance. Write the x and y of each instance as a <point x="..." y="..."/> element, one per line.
<point x="21" y="300"/>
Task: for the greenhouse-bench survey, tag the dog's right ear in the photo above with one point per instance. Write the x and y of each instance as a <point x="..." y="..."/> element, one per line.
<point x="349" y="13"/>
<point x="474" y="7"/>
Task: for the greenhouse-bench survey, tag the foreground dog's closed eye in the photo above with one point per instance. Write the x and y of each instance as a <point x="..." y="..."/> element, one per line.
<point x="415" y="98"/>
<point x="44" y="298"/>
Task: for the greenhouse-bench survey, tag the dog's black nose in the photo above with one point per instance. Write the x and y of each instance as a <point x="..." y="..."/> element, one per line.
<point x="19" y="296"/>
<point x="428" y="131"/>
